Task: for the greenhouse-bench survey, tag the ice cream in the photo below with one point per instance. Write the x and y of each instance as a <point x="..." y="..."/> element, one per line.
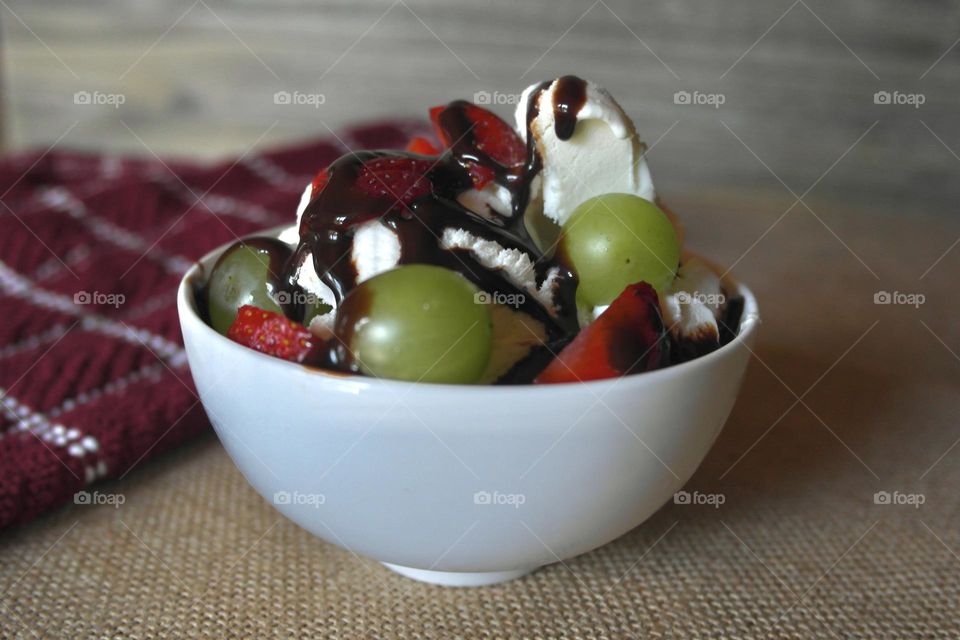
<point x="600" y="152"/>
<point x="693" y="304"/>
<point x="489" y="204"/>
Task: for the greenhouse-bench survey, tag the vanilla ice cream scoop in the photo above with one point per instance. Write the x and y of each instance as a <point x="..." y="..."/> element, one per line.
<point x="586" y="143"/>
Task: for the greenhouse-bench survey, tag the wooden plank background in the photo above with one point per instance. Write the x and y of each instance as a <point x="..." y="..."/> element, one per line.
<point x="798" y="79"/>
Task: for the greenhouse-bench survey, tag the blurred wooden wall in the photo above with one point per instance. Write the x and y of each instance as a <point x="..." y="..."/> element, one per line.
<point x="798" y="79"/>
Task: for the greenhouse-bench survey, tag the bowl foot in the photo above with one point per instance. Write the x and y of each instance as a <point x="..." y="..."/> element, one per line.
<point x="457" y="579"/>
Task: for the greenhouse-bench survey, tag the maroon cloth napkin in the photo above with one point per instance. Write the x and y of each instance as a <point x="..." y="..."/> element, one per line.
<point x="93" y="376"/>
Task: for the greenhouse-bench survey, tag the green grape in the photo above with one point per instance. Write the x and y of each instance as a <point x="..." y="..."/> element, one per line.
<point x="418" y="322"/>
<point x="615" y="240"/>
<point x="246" y="273"/>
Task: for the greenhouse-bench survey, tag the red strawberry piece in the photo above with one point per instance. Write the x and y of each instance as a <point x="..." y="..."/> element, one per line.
<point x="626" y="338"/>
<point x="490" y="135"/>
<point x="480" y="175"/>
<point x="397" y="178"/>
<point x="496" y="138"/>
<point x="274" y="334"/>
<point x="435" y="119"/>
<point x="422" y="146"/>
<point x="319" y="182"/>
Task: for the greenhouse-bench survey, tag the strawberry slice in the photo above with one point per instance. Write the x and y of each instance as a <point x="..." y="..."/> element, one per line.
<point x="273" y="334"/>
<point x="496" y="138"/>
<point x="397" y="178"/>
<point x="490" y="135"/>
<point x="480" y="175"/>
<point x="422" y="146"/>
<point x="319" y="182"/>
<point x="626" y="338"/>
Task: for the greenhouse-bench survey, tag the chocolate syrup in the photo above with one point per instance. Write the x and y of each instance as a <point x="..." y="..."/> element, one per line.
<point x="568" y="98"/>
<point x="332" y="217"/>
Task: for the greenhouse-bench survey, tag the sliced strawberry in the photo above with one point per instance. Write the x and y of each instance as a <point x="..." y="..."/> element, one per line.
<point x="496" y="138"/>
<point x="490" y="135"/>
<point x="422" y="146"/>
<point x="626" y="338"/>
<point x="273" y="334"/>
<point x="319" y="182"/>
<point x="396" y="178"/>
<point x="435" y="119"/>
<point x="480" y="175"/>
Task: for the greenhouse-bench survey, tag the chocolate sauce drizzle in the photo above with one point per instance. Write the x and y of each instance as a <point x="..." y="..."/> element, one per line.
<point x="568" y="98"/>
<point x="330" y="221"/>
<point x="336" y="212"/>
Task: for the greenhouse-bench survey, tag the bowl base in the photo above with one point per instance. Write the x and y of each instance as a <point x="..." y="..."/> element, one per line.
<point x="457" y="579"/>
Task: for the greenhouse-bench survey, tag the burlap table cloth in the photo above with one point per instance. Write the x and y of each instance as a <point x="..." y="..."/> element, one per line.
<point x="847" y="421"/>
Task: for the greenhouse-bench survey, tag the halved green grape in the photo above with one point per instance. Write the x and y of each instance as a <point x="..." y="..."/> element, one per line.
<point x="246" y="273"/>
<point x="615" y="240"/>
<point x="418" y="322"/>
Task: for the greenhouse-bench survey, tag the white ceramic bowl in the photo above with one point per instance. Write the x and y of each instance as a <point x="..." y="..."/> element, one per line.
<point x="461" y="485"/>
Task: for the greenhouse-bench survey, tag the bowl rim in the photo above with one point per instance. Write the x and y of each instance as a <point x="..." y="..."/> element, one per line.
<point x="187" y="311"/>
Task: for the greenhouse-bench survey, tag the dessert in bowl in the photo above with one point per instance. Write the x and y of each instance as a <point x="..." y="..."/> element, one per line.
<point x="475" y="357"/>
